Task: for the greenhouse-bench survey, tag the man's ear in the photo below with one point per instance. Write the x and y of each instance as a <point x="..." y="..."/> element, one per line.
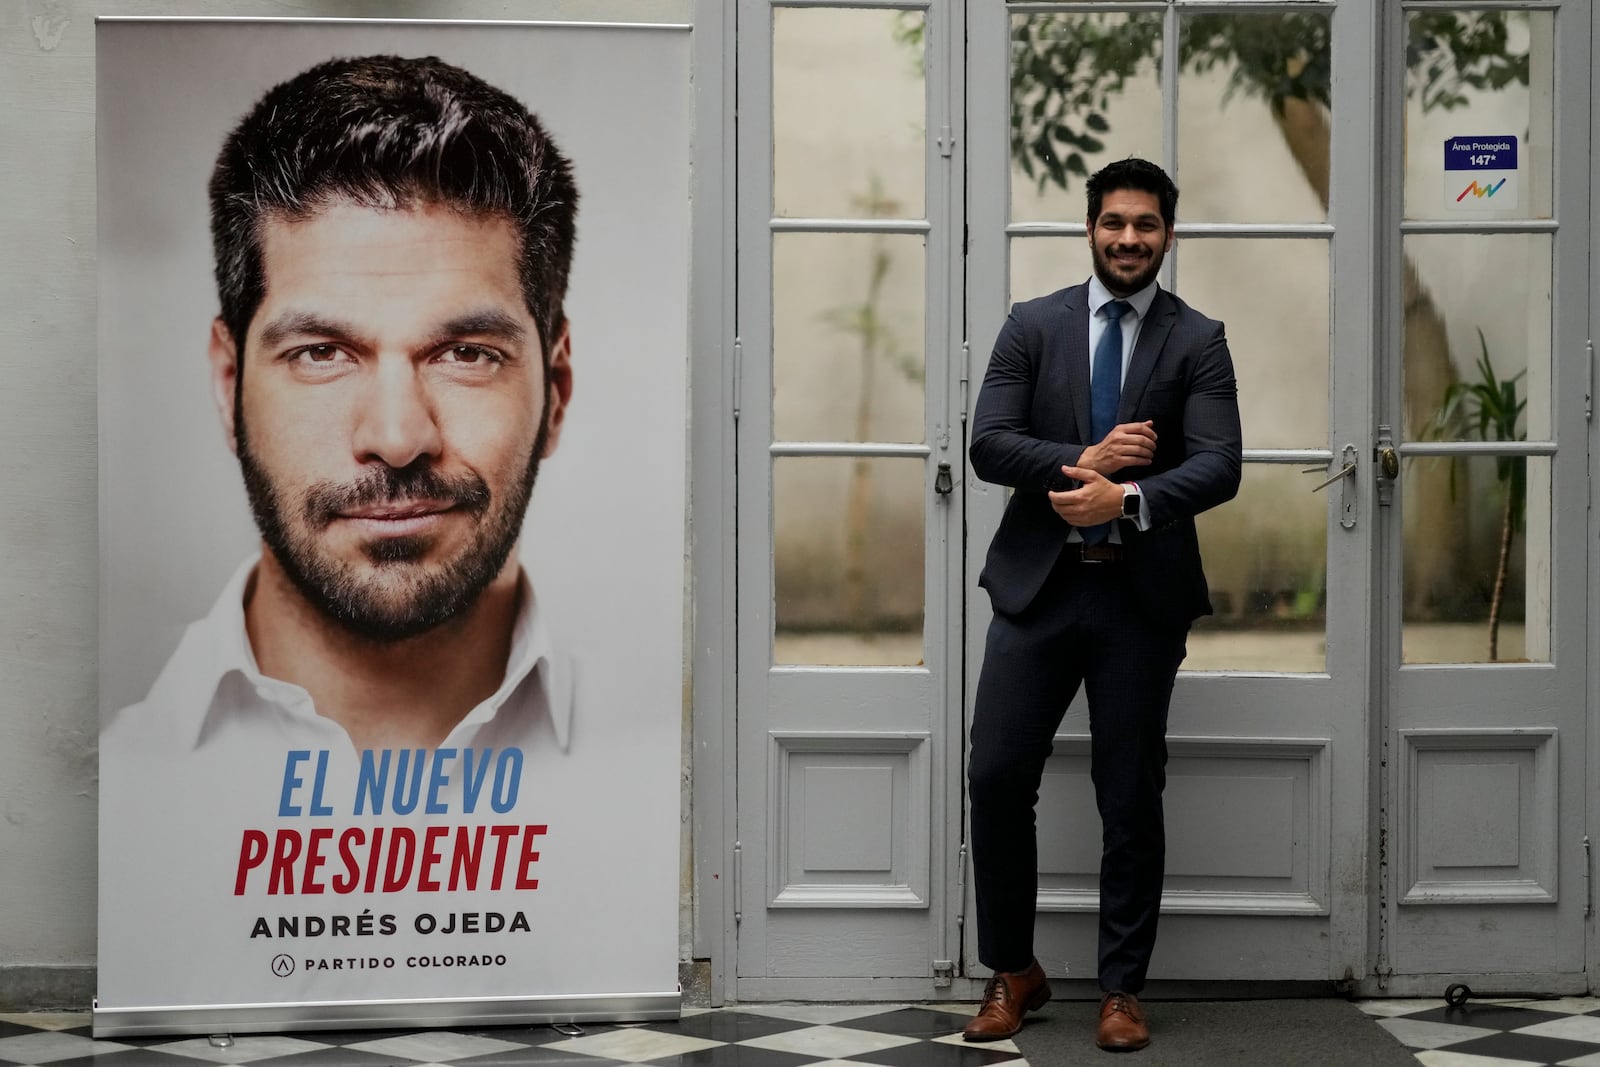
<point x="224" y="359"/>
<point x="558" y="387"/>
<point x="1172" y="238"/>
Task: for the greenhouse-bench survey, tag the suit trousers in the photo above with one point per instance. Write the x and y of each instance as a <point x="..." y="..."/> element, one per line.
<point x="1084" y="628"/>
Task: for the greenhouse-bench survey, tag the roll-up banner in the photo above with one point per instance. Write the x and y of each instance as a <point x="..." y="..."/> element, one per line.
<point x="393" y="373"/>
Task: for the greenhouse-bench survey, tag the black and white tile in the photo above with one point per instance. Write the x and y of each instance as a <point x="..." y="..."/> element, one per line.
<point x="757" y="1035"/>
<point x="1501" y="1033"/>
<point x="1495" y="1033"/>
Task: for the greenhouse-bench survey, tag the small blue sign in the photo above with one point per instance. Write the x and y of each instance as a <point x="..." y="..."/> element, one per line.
<point x="1481" y="153"/>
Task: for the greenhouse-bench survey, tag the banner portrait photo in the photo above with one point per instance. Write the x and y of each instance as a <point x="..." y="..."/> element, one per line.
<point x="393" y="327"/>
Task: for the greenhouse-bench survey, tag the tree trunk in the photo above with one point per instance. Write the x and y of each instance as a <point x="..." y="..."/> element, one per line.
<point x="1427" y="373"/>
<point x="858" y="502"/>
<point x="1497" y="597"/>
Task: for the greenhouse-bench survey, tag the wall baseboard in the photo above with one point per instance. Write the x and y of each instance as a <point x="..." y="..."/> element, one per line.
<point x="59" y="987"/>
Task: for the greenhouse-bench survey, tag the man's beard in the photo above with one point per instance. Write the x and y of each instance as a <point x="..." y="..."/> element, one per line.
<point x="409" y="604"/>
<point x="1118" y="287"/>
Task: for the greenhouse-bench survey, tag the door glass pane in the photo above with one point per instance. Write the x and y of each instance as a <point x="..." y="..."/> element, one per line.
<point x="1085" y="90"/>
<point x="1477" y="336"/>
<point x="1476" y="559"/>
<point x="847" y="337"/>
<point x="1041" y="265"/>
<point x="1272" y="296"/>
<point x="847" y="560"/>
<point x="1266" y="562"/>
<point x="1253" y="117"/>
<point x="1480" y="114"/>
<point x="832" y="155"/>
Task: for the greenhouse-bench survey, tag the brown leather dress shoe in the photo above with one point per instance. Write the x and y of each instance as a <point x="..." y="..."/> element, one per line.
<point x="1122" y="1026"/>
<point x="1006" y="999"/>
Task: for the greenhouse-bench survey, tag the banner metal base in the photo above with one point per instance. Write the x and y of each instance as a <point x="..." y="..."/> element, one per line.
<point x="385" y="1014"/>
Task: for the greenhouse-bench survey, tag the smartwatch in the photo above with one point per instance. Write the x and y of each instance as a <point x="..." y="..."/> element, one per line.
<point x="1131" y="499"/>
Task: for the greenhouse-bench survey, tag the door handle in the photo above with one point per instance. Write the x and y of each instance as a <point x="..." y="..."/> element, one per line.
<point x="1346" y="474"/>
<point x="1346" y="471"/>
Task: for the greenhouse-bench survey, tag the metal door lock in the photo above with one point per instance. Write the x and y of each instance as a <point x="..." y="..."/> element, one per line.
<point x="943" y="483"/>
<point x="1388" y="460"/>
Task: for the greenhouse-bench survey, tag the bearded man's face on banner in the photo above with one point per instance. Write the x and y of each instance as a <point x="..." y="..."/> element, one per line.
<point x="390" y="409"/>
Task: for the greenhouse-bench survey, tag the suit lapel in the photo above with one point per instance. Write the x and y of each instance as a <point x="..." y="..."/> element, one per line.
<point x="1076" y="354"/>
<point x="1152" y="336"/>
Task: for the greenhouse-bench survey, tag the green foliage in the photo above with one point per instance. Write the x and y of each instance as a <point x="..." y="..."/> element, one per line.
<point x="1447" y="52"/>
<point x="1276" y="57"/>
<point x="1067" y="67"/>
<point x="1064" y="71"/>
<point x="865" y="320"/>
<point x="1488" y="409"/>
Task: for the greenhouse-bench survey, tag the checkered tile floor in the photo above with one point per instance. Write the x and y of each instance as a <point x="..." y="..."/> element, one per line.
<point x="1480" y="1034"/>
<point x="1494" y="1033"/>
<point x="755" y="1035"/>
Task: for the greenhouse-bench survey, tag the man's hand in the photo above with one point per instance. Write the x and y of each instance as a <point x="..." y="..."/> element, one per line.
<point x="1093" y="502"/>
<point x="1132" y="444"/>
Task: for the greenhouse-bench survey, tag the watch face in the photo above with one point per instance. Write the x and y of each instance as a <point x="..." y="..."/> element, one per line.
<point x="1130" y="506"/>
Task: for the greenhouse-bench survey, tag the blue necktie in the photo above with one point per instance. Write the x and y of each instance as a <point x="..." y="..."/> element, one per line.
<point x="1105" y="393"/>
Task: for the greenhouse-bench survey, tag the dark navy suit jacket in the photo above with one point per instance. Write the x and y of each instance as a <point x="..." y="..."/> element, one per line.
<point x="1032" y="417"/>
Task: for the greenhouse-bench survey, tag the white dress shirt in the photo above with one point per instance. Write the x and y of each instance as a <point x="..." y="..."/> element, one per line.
<point x="212" y="695"/>
<point x="1131" y="322"/>
<point x="1132" y="319"/>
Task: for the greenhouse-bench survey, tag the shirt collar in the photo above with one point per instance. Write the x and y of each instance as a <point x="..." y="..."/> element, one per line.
<point x="217" y="648"/>
<point x="1100" y="296"/>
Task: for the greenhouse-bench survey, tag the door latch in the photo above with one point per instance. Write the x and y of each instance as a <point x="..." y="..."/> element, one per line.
<point x="1388" y="458"/>
<point x="943" y="483"/>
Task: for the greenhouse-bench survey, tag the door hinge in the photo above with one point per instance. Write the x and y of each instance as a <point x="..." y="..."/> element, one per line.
<point x="738" y="376"/>
<point x="966" y="356"/>
<point x="946" y="141"/>
<point x="961" y="886"/>
<point x="1588" y="879"/>
<point x="738" y="883"/>
<point x="944" y="973"/>
<point x="1588" y="379"/>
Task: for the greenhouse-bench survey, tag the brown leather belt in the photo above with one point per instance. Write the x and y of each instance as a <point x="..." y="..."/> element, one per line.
<point x="1104" y="552"/>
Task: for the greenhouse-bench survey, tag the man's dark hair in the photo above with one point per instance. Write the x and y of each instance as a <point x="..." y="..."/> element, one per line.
<point x="1133" y="173"/>
<point x="389" y="132"/>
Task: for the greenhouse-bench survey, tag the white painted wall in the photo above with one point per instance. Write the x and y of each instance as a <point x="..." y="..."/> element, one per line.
<point x="48" y="551"/>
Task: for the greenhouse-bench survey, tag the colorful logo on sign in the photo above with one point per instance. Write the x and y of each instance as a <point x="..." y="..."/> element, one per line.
<point x="1480" y="191"/>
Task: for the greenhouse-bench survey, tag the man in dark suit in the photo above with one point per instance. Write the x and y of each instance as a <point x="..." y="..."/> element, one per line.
<point x="1111" y="410"/>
